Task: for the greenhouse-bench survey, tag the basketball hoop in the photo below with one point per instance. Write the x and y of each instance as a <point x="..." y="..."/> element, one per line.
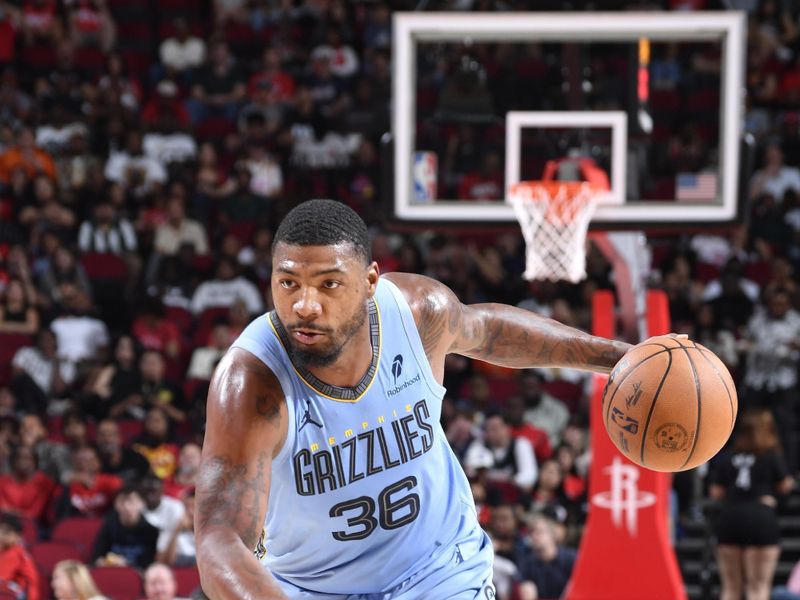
<point x="554" y="216"/>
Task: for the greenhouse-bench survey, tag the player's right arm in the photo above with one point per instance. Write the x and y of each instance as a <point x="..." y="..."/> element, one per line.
<point x="245" y="427"/>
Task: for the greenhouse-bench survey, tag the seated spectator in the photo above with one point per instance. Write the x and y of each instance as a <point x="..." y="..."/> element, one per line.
<point x="46" y="211"/>
<point x="162" y="512"/>
<point x="542" y="410"/>
<point x="485" y="183"/>
<point x="204" y="360"/>
<point x="549" y="489"/>
<point x="211" y="176"/>
<point x="126" y="538"/>
<point x="18" y="313"/>
<point x="18" y="573"/>
<point x="73" y="581"/>
<point x="574" y="485"/>
<point x="461" y="434"/>
<point x="116" y="459"/>
<point x="90" y="24"/>
<point x="107" y="232"/>
<point x="327" y="90"/>
<point x="26" y="491"/>
<point x="775" y="177"/>
<point x="180" y="548"/>
<point x="343" y="59"/>
<point x="520" y="428"/>
<point x="51" y="457"/>
<point x="77" y="165"/>
<point x="116" y="381"/>
<point x="184" y="479"/>
<point x="238" y="203"/>
<point x="506" y="530"/>
<point x="508" y="460"/>
<point x="179" y="230"/>
<point x="219" y="89"/>
<point x="62" y="274"/>
<point x="131" y="167"/>
<point x="89" y="493"/>
<point x="266" y="177"/>
<point x="81" y="337"/>
<point x="227" y="287"/>
<point x="25" y="156"/>
<point x="154" y="391"/>
<point x="155" y="332"/>
<point x="159" y="583"/>
<point x="39" y="373"/>
<point x="155" y="446"/>
<point x="118" y="84"/>
<point x="165" y="110"/>
<point x="183" y="51"/>
<point x="278" y="82"/>
<point x="549" y="566"/>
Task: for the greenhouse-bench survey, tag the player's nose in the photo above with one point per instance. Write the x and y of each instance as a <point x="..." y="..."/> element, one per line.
<point x="307" y="305"/>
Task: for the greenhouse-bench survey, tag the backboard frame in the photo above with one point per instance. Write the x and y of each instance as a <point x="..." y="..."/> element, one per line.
<point x="728" y="27"/>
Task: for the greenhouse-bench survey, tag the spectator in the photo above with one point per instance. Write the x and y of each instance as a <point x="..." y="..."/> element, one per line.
<point x="178" y="230"/>
<point x="162" y="512"/>
<point x="18" y="313"/>
<point x="159" y="583"/>
<point x="342" y="58"/>
<point x="538" y="438"/>
<point x="165" y="112"/>
<point x="204" y="359"/>
<point x="549" y="490"/>
<point x="218" y="89"/>
<point x="279" y="83"/>
<point x="117" y="459"/>
<point x="116" y="381"/>
<point x="72" y="581"/>
<point x="182" y="52"/>
<point x="18" y="573"/>
<point x="135" y="170"/>
<point x="81" y="337"/>
<point x="227" y="287"/>
<point x="89" y="493"/>
<point x="774" y="178"/>
<point x="720" y="341"/>
<point x="549" y="566"/>
<point x="25" y="156"/>
<point x="77" y="166"/>
<point x="62" y="276"/>
<point x="266" y="178"/>
<point x="91" y="24"/>
<point x="51" y="457"/>
<point x="155" y="332"/>
<point x="542" y="410"/>
<point x="184" y="479"/>
<point x="119" y="86"/>
<point x="155" y="391"/>
<point x="126" y="538"/>
<point x="327" y="90"/>
<point x="107" y="232"/>
<point x="26" y="491"/>
<point x="510" y="460"/>
<point x="39" y="373"/>
<point x="155" y="445"/>
<point x="773" y="357"/>
<point x="747" y="480"/>
<point x="507" y="538"/>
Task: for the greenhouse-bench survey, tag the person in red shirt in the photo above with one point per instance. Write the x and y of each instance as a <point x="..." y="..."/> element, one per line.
<point x="26" y="491"/>
<point x="520" y="428"/>
<point x="154" y="332"/>
<point x="90" y="493"/>
<point x="18" y="573"/>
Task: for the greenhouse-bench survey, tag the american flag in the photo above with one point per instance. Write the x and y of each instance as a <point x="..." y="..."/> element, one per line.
<point x="696" y="186"/>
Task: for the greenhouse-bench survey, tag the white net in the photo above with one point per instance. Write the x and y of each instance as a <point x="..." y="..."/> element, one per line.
<point x="554" y="216"/>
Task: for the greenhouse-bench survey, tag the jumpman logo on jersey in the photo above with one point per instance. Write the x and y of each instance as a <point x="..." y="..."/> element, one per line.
<point x="307" y="418"/>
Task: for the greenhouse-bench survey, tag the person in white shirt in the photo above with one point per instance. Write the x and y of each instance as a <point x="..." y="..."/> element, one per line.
<point x="133" y="168"/>
<point x="80" y="337"/>
<point x="205" y="358"/>
<point x="105" y="232"/>
<point x="183" y="51"/>
<point x="179" y="230"/>
<point x="162" y="512"/>
<point x="506" y="458"/>
<point x="227" y="287"/>
<point x="42" y="364"/>
<point x="775" y="178"/>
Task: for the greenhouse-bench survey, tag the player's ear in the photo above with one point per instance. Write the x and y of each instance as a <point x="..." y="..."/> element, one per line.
<point x="373" y="273"/>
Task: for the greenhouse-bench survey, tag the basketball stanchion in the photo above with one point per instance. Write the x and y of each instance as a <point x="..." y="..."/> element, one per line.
<point x="625" y="551"/>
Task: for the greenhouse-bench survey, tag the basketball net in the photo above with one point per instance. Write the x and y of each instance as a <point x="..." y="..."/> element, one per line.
<point x="554" y="216"/>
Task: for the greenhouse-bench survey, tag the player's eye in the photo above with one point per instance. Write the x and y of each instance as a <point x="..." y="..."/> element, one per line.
<point x="287" y="283"/>
<point x="331" y="284"/>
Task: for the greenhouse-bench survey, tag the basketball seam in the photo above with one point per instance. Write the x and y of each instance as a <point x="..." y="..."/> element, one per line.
<point x="628" y="374"/>
<point x="703" y="351"/>
<point x="653" y="406"/>
<point x="699" y="404"/>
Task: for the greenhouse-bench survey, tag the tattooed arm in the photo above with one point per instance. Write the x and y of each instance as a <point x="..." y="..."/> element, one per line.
<point x="246" y="426"/>
<point x="497" y="333"/>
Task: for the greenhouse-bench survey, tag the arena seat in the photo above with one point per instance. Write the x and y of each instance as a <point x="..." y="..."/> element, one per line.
<point x="47" y="555"/>
<point x="187" y="580"/>
<point x="9" y="344"/>
<point x="119" y="583"/>
<point x="78" y="531"/>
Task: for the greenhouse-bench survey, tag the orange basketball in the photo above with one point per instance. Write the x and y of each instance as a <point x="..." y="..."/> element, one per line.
<point x="669" y="404"/>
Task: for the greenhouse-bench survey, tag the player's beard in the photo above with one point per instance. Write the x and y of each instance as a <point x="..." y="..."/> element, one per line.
<point x="309" y="357"/>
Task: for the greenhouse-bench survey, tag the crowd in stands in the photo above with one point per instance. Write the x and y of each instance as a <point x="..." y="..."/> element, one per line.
<point x="147" y="152"/>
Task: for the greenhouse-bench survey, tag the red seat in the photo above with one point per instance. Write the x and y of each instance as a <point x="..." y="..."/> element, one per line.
<point x="9" y="344"/>
<point x="47" y="555"/>
<point x="183" y="319"/>
<point x="104" y="265"/>
<point x="130" y="429"/>
<point x="78" y="531"/>
<point x="119" y="583"/>
<point x="187" y="580"/>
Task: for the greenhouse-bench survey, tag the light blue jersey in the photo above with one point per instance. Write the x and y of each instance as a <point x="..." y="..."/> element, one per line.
<point x="367" y="499"/>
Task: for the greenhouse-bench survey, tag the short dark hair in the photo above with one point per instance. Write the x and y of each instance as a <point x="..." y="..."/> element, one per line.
<point x="324" y="223"/>
<point x="11" y="521"/>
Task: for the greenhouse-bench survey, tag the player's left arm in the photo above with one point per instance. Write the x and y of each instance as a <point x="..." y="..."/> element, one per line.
<point x="498" y="333"/>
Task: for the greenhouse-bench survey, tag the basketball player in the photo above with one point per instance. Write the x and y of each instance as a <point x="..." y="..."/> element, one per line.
<point x="325" y="471"/>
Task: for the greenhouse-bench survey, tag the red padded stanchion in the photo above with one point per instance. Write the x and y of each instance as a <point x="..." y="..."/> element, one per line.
<point x="625" y="553"/>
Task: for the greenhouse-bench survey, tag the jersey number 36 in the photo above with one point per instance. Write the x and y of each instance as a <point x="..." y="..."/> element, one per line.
<point x="392" y="511"/>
